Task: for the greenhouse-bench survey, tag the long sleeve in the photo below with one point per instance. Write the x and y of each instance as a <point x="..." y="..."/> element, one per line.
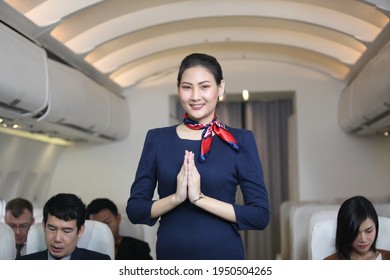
<point x="254" y="214"/>
<point x="142" y="190"/>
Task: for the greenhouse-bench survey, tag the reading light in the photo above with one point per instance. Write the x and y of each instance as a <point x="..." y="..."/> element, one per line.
<point x="245" y="95"/>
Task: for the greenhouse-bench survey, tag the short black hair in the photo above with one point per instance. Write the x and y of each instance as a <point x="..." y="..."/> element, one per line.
<point x="99" y="204"/>
<point x="67" y="207"/>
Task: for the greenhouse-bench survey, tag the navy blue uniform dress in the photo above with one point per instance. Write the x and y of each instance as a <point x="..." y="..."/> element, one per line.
<point x="189" y="232"/>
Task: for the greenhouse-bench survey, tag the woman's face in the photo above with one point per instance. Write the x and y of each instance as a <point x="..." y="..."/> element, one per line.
<point x="366" y="236"/>
<point x="198" y="93"/>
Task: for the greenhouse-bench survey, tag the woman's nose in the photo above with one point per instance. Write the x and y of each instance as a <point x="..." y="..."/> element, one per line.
<point x="195" y="94"/>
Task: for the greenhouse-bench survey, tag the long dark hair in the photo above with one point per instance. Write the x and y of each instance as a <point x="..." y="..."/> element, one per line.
<point x="352" y="213"/>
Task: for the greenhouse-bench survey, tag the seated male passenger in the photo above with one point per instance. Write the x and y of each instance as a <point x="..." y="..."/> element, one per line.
<point x="126" y="248"/>
<point x="63" y="221"/>
<point x="19" y="216"/>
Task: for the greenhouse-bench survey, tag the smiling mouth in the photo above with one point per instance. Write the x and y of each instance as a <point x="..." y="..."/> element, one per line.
<point x="196" y="106"/>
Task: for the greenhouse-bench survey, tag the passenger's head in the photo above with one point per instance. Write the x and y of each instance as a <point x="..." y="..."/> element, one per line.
<point x="200" y="84"/>
<point x="357" y="227"/>
<point x="19" y="216"/>
<point x="105" y="211"/>
<point x="63" y="220"/>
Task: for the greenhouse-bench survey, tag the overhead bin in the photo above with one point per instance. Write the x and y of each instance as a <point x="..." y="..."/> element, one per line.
<point x="97" y="106"/>
<point x="67" y="103"/>
<point x="119" y="118"/>
<point x="79" y="103"/>
<point x="47" y="97"/>
<point x="364" y="106"/>
<point x="23" y="75"/>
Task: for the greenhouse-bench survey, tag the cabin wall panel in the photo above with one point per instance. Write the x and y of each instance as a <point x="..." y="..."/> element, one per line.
<point x="23" y="163"/>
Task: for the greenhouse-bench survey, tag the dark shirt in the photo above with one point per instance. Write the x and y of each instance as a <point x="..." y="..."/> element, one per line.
<point x="133" y="249"/>
<point x="78" y="254"/>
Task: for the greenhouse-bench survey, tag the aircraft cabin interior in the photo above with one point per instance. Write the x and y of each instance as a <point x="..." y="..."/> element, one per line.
<point x="82" y="82"/>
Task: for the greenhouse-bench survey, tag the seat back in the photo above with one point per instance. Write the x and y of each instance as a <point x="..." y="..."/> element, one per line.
<point x="142" y="232"/>
<point x="286" y="208"/>
<point x="322" y="243"/>
<point x="7" y="242"/>
<point x="35" y="239"/>
<point x="127" y="228"/>
<point x="383" y="209"/>
<point x="2" y="209"/>
<point x="299" y="227"/>
<point x="97" y="237"/>
<point x="318" y="216"/>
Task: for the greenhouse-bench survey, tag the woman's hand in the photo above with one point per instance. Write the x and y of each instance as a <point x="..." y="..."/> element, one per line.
<point x="193" y="178"/>
<point x="187" y="186"/>
<point x="182" y="181"/>
<point x="188" y="180"/>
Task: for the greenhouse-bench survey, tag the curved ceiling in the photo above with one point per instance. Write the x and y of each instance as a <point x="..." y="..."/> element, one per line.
<point x="121" y="43"/>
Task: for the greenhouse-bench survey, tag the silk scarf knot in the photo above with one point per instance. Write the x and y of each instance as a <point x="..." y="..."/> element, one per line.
<point x="207" y="135"/>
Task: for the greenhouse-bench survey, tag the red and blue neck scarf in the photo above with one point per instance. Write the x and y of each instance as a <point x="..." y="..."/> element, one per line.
<point x="207" y="135"/>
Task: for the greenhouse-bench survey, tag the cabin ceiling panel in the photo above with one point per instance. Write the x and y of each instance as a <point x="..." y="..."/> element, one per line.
<point x="121" y="43"/>
<point x="164" y="62"/>
<point x="90" y="36"/>
<point x="111" y="60"/>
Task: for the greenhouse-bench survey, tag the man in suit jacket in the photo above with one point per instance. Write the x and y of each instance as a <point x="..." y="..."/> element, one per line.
<point x="126" y="248"/>
<point x="63" y="221"/>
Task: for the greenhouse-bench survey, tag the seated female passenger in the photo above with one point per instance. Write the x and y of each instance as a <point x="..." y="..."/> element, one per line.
<point x="357" y="232"/>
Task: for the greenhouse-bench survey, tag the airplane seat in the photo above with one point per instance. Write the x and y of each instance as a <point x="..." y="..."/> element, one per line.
<point x="142" y="232"/>
<point x="3" y="203"/>
<point x="322" y="243"/>
<point x="38" y="214"/>
<point x="321" y="215"/>
<point x="127" y="228"/>
<point x="7" y="242"/>
<point x="35" y="239"/>
<point x="383" y="209"/>
<point x="286" y="208"/>
<point x="299" y="227"/>
<point x="97" y="236"/>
